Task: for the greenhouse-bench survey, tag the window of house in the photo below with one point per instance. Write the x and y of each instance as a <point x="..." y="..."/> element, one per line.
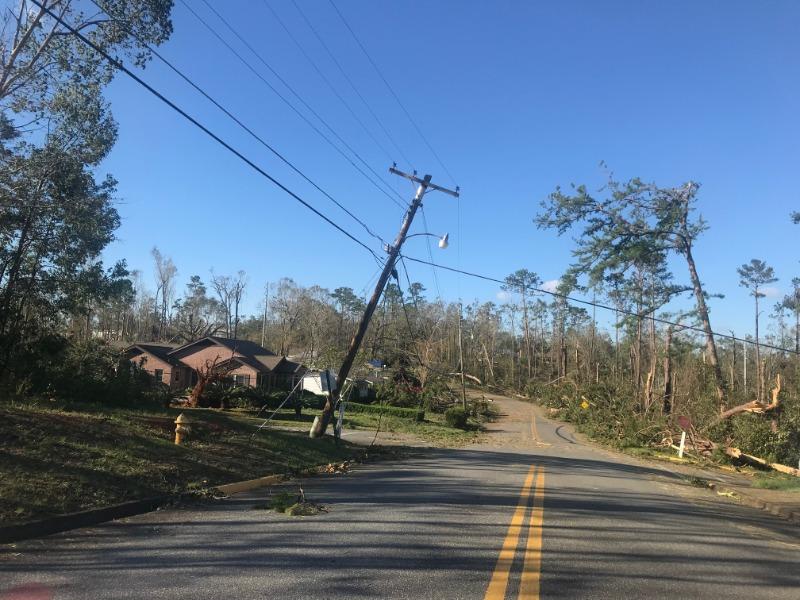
<point x="159" y="374"/>
<point x="241" y="380"/>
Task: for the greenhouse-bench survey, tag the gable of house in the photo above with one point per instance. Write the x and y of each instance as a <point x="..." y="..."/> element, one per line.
<point x="155" y="359"/>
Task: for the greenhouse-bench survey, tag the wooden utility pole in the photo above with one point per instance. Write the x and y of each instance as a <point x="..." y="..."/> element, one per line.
<point x="264" y="321"/>
<point x="321" y="424"/>
<point x="461" y="358"/>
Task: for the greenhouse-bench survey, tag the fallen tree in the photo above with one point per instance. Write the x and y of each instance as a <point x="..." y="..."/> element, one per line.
<point x="755" y="406"/>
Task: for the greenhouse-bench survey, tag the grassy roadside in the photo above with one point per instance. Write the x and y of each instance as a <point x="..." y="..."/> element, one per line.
<point x="433" y="429"/>
<point x="59" y="459"/>
<point x="759" y="478"/>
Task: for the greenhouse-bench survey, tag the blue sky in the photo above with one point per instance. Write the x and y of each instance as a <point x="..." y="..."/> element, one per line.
<point x="515" y="97"/>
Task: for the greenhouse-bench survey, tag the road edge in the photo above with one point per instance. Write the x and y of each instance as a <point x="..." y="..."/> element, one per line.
<point x="738" y="494"/>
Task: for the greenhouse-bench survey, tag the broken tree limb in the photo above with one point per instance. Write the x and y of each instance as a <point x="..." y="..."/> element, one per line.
<point x="736" y="453"/>
<point x="756" y="406"/>
<point x="468" y="376"/>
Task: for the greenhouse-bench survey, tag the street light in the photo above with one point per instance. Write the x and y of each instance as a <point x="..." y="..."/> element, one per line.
<point x="444" y="241"/>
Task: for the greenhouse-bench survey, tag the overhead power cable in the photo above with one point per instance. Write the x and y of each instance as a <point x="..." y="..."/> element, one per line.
<point x="350" y="82"/>
<point x="430" y="256"/>
<point x="393" y="93"/>
<point x="286" y="101"/>
<point x="629" y="313"/>
<point x="235" y="119"/>
<point x="327" y="81"/>
<point x="120" y="67"/>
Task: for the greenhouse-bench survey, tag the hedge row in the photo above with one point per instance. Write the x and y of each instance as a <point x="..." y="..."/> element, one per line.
<point x="416" y="414"/>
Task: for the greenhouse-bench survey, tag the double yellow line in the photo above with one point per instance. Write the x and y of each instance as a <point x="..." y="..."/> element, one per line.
<point x="532" y="564"/>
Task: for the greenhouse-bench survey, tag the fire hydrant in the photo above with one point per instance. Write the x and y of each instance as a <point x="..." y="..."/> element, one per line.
<point x="182" y="428"/>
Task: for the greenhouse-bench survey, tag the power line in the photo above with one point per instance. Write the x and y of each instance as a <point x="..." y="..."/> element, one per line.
<point x="430" y="256"/>
<point x="247" y="129"/>
<point x="391" y="90"/>
<point x="119" y="66"/>
<point x="325" y="79"/>
<point x="286" y="100"/>
<point x="352" y="85"/>
<point x="597" y="304"/>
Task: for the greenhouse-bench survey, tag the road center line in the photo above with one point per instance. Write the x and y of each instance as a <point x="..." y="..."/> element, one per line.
<point x="532" y="566"/>
<point x="499" y="581"/>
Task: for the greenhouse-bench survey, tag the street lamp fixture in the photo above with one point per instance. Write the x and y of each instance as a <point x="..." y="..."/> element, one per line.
<point x="444" y="241"/>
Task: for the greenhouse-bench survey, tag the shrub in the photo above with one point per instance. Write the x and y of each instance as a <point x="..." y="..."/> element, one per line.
<point x="399" y="393"/>
<point x="415" y="414"/>
<point x="456" y="417"/>
<point x="83" y="371"/>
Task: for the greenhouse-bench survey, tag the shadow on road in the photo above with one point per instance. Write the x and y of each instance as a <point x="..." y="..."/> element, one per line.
<point x="439" y="514"/>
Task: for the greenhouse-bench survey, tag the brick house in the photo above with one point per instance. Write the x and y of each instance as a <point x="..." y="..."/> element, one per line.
<point x="249" y="364"/>
<point x="155" y="359"/>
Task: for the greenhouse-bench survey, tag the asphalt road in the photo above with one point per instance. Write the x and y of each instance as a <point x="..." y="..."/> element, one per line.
<point x="533" y="513"/>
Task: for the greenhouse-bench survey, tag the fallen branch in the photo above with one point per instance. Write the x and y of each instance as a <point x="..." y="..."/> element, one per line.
<point x="468" y="376"/>
<point x="736" y="453"/>
<point x="756" y="406"/>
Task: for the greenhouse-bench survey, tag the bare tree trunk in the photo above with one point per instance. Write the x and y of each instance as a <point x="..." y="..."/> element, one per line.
<point x="527" y="330"/>
<point x="759" y="372"/>
<point x="637" y="365"/>
<point x="702" y="311"/>
<point x="733" y="364"/>
<point x="513" y="350"/>
<point x="667" y="397"/>
<point x="797" y="325"/>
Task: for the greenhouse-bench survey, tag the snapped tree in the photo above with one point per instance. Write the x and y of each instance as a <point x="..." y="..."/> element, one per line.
<point x="633" y="218"/>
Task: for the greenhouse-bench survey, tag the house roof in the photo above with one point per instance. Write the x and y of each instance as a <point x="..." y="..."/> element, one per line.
<point x="289" y="366"/>
<point x="243" y="347"/>
<point x="245" y="352"/>
<point x="160" y="351"/>
<point x="263" y="364"/>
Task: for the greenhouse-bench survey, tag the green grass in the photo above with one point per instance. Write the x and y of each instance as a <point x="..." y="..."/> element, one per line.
<point x="433" y="429"/>
<point x="777" y="481"/>
<point x="56" y="459"/>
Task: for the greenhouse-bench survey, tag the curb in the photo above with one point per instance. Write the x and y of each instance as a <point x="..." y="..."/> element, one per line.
<point x="777" y="510"/>
<point x="742" y="498"/>
<point x="251" y="484"/>
<point x="85" y="518"/>
<point x="95" y="516"/>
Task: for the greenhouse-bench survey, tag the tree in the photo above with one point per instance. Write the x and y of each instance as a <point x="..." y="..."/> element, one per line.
<point x="349" y="305"/>
<point x="522" y="281"/>
<point x="629" y="215"/>
<point x="165" y="287"/>
<point x="55" y="128"/>
<point x="792" y="302"/>
<point x="198" y="315"/>
<point x="230" y="291"/>
<point x="754" y="276"/>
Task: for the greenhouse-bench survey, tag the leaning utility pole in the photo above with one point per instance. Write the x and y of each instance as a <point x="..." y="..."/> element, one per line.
<point x="461" y="357"/>
<point x="321" y="424"/>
